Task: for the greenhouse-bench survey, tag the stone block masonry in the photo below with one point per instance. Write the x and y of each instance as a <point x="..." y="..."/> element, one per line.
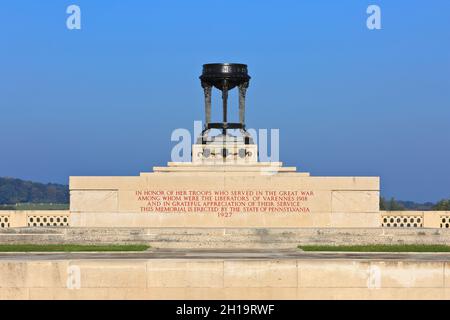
<point x="220" y="238"/>
<point x="223" y="279"/>
<point x="185" y="195"/>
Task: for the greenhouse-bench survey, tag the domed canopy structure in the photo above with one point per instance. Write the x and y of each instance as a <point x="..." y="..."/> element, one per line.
<point x="225" y="77"/>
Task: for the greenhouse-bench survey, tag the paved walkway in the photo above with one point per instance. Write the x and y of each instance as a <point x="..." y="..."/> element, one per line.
<point x="225" y="254"/>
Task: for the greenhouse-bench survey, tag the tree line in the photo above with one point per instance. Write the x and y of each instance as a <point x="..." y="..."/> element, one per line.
<point x="398" y="205"/>
<point x="13" y="191"/>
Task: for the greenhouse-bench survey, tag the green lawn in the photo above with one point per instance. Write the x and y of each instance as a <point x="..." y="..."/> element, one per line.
<point x="378" y="248"/>
<point x="70" y="248"/>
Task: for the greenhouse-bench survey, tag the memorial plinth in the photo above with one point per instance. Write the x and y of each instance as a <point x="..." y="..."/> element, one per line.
<point x="225" y="185"/>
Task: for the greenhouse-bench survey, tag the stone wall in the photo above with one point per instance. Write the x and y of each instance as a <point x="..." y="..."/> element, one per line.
<point x="258" y="238"/>
<point x="33" y="218"/>
<point x="240" y="196"/>
<point x="224" y="279"/>
<point x="386" y="219"/>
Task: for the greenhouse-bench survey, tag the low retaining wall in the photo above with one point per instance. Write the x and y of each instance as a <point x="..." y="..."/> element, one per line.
<point x="415" y="219"/>
<point x="225" y="238"/>
<point x="387" y="219"/>
<point x="224" y="279"/>
<point x="34" y="218"/>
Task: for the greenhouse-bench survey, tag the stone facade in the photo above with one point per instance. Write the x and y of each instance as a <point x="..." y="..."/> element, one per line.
<point x="225" y="195"/>
<point x="223" y="279"/>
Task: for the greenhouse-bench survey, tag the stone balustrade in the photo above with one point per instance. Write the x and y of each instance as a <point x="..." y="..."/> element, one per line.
<point x="61" y="218"/>
<point x="34" y="218"/>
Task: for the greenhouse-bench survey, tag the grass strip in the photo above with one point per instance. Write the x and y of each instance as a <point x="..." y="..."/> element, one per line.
<point x="70" y="248"/>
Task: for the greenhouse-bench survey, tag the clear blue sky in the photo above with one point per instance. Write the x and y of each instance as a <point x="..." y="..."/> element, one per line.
<point x="104" y="100"/>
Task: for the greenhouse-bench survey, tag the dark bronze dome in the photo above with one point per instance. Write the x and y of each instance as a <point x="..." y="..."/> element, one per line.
<point x="221" y="74"/>
<point x="225" y="76"/>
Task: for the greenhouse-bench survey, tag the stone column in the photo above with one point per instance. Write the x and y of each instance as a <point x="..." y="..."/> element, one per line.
<point x="207" y="90"/>
<point x="225" y="102"/>
<point x="242" y="92"/>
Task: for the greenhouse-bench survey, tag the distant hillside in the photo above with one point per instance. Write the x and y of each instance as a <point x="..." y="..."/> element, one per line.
<point x="411" y="205"/>
<point x="14" y="191"/>
<point x="399" y="205"/>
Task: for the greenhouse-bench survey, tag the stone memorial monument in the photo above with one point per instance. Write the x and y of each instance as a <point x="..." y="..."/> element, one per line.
<point x="224" y="148"/>
<point x="225" y="185"/>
